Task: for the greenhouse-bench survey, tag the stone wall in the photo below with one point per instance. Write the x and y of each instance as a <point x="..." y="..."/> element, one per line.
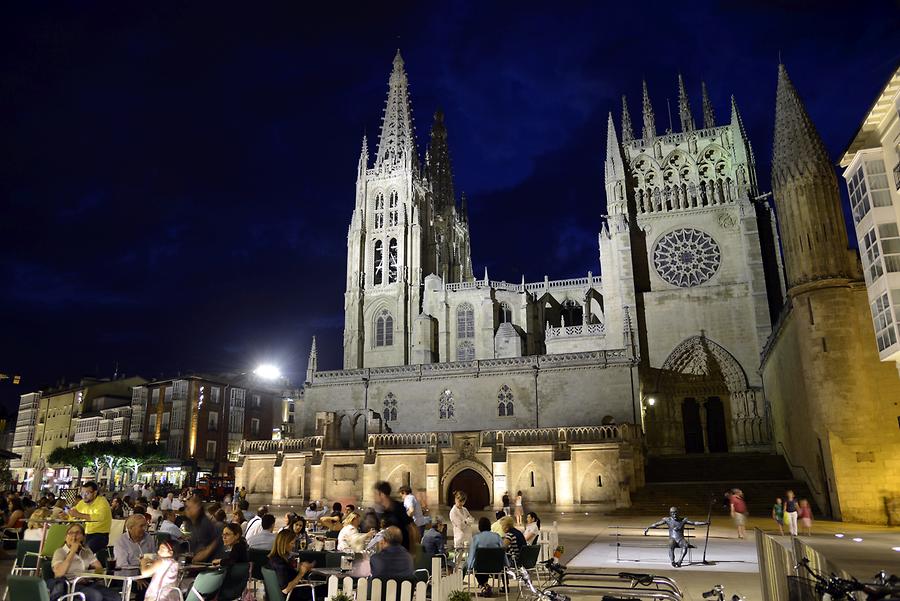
<point x="834" y="404"/>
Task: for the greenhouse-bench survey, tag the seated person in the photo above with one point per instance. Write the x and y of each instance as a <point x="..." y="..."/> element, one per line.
<point x="485" y="539"/>
<point x="393" y="560"/>
<point x="288" y="577"/>
<point x="264" y="537"/>
<point x="532" y="528"/>
<point x="169" y="527"/>
<point x="205" y="540"/>
<point x="35" y="526"/>
<point x="497" y="525"/>
<point x="163" y="583"/>
<point x="434" y="541"/>
<point x="134" y="543"/>
<point x="234" y="546"/>
<point x="72" y="559"/>
<point x="513" y="540"/>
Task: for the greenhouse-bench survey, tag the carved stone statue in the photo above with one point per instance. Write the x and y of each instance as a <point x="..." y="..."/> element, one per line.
<point x="676" y="525"/>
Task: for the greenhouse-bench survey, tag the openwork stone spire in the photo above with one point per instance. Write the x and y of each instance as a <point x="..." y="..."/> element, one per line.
<point x="627" y="129"/>
<point x="397" y="143"/>
<point x="649" y="132"/>
<point x="313" y="364"/>
<point x="438" y="166"/>
<point x="709" y="117"/>
<point x="797" y="145"/>
<point x="738" y="122"/>
<point x="684" y="107"/>
<point x="464" y="209"/>
<point x="807" y="200"/>
<point x="614" y="167"/>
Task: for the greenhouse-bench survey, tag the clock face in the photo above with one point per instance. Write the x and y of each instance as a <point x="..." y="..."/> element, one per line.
<point x="686" y="257"/>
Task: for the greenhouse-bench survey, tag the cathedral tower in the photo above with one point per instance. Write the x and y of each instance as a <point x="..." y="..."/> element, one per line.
<point x="405" y="225"/>
<point x="806" y="195"/>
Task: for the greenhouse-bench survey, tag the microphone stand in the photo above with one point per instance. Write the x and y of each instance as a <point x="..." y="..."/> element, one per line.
<point x="708" y="521"/>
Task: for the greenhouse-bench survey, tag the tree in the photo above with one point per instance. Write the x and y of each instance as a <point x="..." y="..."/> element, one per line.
<point x="70" y="456"/>
<point x="143" y="454"/>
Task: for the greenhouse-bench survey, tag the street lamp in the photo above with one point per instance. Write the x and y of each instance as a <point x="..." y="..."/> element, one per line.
<point x="267" y="371"/>
<point x="651" y="401"/>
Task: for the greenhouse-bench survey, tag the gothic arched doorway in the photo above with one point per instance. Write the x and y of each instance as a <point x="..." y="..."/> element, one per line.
<point x="716" y="438"/>
<point x="470" y="482"/>
<point x="693" y="430"/>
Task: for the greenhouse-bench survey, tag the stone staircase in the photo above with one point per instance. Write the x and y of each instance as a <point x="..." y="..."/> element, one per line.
<point x="691" y="481"/>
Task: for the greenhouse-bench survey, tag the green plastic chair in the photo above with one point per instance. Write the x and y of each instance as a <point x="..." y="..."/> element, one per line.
<point x="273" y="590"/>
<point x="236" y="579"/>
<point x="32" y="588"/>
<point x="258" y="558"/>
<point x="55" y="538"/>
<point x="206" y="585"/>
<point x="26" y="557"/>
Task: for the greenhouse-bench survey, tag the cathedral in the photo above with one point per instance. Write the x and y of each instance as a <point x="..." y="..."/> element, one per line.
<point x="558" y="387"/>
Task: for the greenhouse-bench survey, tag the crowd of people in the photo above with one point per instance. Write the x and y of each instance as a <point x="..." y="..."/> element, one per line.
<point x="382" y="538"/>
<point x="790" y="511"/>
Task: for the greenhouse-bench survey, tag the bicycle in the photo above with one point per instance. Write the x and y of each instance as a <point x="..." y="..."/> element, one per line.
<point x="884" y="587"/>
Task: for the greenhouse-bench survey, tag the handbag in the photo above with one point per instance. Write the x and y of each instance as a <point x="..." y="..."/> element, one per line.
<point x="249" y="594"/>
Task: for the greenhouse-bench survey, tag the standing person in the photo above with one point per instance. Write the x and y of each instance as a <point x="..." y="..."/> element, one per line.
<point x="507" y="510"/>
<point x="395" y="515"/>
<point x="739" y="511"/>
<point x="205" y="539"/>
<point x="790" y="510"/>
<point x="462" y="521"/>
<point x="804" y="513"/>
<point x="778" y="514"/>
<point x="413" y="509"/>
<point x="485" y="539"/>
<point x="94" y="508"/>
<point x="520" y="509"/>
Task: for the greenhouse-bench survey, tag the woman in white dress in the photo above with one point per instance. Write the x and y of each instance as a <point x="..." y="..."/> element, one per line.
<point x="520" y="515"/>
<point x="462" y="521"/>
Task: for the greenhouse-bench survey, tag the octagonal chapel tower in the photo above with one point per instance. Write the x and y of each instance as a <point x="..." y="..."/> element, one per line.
<point x="689" y="235"/>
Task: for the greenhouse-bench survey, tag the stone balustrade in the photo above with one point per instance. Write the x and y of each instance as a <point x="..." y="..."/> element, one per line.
<point x="287" y="445"/>
<point x="409" y="440"/>
<point x="591" y="329"/>
<point x="594" y="281"/>
<point x="558" y="436"/>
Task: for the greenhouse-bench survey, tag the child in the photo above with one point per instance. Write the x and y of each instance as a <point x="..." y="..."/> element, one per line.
<point x="778" y="515"/>
<point x="805" y="515"/>
<point x="164" y="571"/>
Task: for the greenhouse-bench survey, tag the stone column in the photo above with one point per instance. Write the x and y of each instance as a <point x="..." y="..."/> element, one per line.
<point x="370" y="477"/>
<point x="563" y="483"/>
<point x="278" y="483"/>
<point x="316" y="482"/>
<point x="501" y="484"/>
<point x="433" y="485"/>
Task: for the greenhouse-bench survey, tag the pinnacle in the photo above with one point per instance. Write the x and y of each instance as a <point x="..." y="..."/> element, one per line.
<point x="614" y="166"/>
<point x="709" y="116"/>
<point x="649" y="132"/>
<point x="684" y="107"/>
<point x="398" y="61"/>
<point x="797" y="144"/>
<point x="397" y="145"/>
<point x="627" y="130"/>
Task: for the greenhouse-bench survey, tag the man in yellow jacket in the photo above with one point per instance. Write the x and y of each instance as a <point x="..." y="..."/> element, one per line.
<point x="94" y="508"/>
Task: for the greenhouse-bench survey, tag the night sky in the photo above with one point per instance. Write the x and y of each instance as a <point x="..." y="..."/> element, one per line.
<point x="177" y="183"/>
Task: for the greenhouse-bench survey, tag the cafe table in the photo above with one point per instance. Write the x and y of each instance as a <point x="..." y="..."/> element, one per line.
<point x="125" y="580"/>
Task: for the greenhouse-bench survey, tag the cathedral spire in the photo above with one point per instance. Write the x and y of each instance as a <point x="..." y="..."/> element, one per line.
<point x="364" y="155"/>
<point x="438" y="166"/>
<point x="649" y="132"/>
<point x="709" y="117"/>
<point x="627" y="129"/>
<point x="614" y="167"/>
<point x="807" y="200"/>
<point x="684" y="107"/>
<point x="464" y="209"/>
<point x="313" y="364"/>
<point x="397" y="143"/>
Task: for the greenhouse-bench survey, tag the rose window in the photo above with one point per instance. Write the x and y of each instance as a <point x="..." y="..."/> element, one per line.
<point x="686" y="257"/>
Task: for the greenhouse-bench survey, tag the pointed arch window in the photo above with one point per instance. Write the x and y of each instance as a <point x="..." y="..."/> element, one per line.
<point x="384" y="329"/>
<point x="379" y="262"/>
<point x="392" y="258"/>
<point x="445" y="405"/>
<point x="505" y="313"/>
<point x="572" y="313"/>
<point x="389" y="413"/>
<point x="393" y="212"/>
<point x="379" y="211"/>
<point x="465" y="351"/>
<point x="465" y="321"/>
<point x="505" y="406"/>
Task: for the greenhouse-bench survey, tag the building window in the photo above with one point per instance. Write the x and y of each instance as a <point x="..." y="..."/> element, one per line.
<point x="214" y="394"/>
<point x="465" y="351"/>
<point x="505" y="313"/>
<point x="465" y="321"/>
<point x="167" y="397"/>
<point x="379" y="262"/>
<point x="254" y="427"/>
<point x="379" y="211"/>
<point x="389" y="413"/>
<point x="210" y="449"/>
<point x="392" y="261"/>
<point x="213" y="422"/>
<point x="151" y="425"/>
<point x="885" y="332"/>
<point x="384" y="329"/>
<point x="154" y="396"/>
<point x="505" y="402"/>
<point x="572" y="313"/>
<point x="859" y="196"/>
<point x="599" y="481"/>
<point x="877" y="180"/>
<point x="256" y="401"/>
<point x="446" y="405"/>
<point x="889" y="239"/>
<point x="871" y="257"/>
<point x="393" y="218"/>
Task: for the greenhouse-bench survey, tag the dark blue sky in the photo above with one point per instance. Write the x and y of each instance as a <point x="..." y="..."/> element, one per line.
<point x="177" y="183"/>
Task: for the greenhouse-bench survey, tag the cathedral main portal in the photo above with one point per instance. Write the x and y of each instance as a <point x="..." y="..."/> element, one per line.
<point x="472" y="483"/>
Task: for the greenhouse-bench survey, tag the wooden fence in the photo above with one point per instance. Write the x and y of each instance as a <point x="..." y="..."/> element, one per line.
<point x="441" y="586"/>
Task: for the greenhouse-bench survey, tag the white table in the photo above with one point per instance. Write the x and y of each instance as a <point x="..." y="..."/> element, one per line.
<point x="125" y="580"/>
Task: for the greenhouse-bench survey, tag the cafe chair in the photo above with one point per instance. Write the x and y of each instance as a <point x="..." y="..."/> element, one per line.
<point x="32" y="588"/>
<point x="273" y="590"/>
<point x="236" y="578"/>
